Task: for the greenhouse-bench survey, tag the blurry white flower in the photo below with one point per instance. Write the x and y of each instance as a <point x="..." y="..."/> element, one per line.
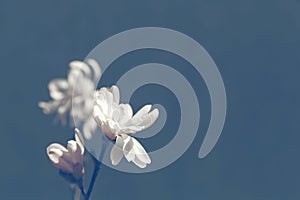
<point x="78" y="89"/>
<point x="117" y="121"/>
<point x="69" y="160"/>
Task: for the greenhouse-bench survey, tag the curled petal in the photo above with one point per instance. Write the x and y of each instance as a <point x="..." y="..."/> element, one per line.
<point x="78" y="65"/>
<point x="58" y="88"/>
<point x="56" y="154"/>
<point x="49" y="107"/>
<point x="56" y="146"/>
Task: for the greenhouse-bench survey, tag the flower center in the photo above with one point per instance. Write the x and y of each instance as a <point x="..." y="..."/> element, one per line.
<point x="110" y="128"/>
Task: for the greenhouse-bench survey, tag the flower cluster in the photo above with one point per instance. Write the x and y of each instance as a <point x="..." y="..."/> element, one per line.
<point x="77" y="96"/>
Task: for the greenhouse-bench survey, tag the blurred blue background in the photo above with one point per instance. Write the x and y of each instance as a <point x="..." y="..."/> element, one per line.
<point x="256" y="46"/>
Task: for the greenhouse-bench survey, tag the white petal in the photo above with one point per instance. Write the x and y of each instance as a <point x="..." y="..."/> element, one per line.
<point x="72" y="146"/>
<point x="49" y="107"/>
<point x="102" y="101"/>
<point x="96" y="69"/>
<point x="125" y="113"/>
<point x="56" y="146"/>
<point x="142" y="112"/>
<point x="139" y="163"/>
<point x="74" y="153"/>
<point x="57" y="155"/>
<point x="98" y="115"/>
<point x="112" y="127"/>
<point x="128" y="149"/>
<point x="58" y="88"/>
<point x="140" y="152"/>
<point x="78" y="140"/>
<point x="109" y="101"/>
<point x="149" y="119"/>
<point x="77" y="156"/>
<point x="133" y="151"/>
<point x="125" y="129"/>
<point x="116" y="94"/>
<point x="116" y="113"/>
<point x="54" y="154"/>
<point x="74" y="76"/>
<point x="82" y="87"/>
<point x="116" y="153"/>
<point x="144" y="122"/>
<point x="78" y="65"/>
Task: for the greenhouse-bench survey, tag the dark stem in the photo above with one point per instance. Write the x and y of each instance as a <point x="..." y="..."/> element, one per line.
<point x="80" y="186"/>
<point x="97" y="165"/>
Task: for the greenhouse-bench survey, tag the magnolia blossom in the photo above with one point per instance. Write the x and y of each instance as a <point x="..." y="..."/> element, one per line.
<point x="117" y="122"/>
<point x="69" y="160"/>
<point x="78" y="89"/>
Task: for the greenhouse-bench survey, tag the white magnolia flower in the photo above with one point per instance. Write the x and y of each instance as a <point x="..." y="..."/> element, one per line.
<point x="117" y="121"/>
<point x="79" y="87"/>
<point x="69" y="160"/>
